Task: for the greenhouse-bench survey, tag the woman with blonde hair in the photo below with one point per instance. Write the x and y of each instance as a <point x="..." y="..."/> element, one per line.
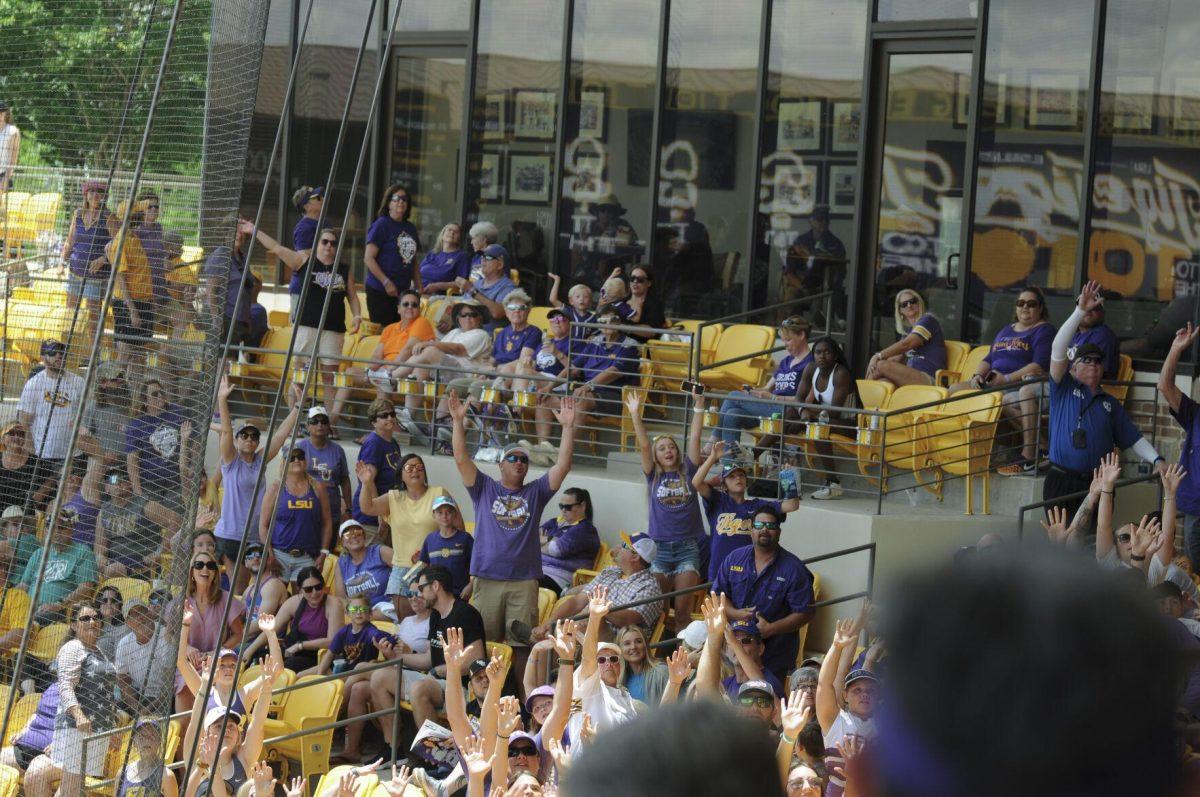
<point x="446" y="261"/>
<point x="643" y="675"/>
<point x="921" y="351"/>
<point x="206" y="601"/>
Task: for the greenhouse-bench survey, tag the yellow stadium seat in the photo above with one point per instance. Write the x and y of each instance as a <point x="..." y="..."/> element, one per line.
<point x="873" y="393"/>
<point x="746" y="344"/>
<point x="971" y="363"/>
<point x="312" y="706"/>
<point x="546" y="598"/>
<point x="131" y="589"/>
<point x="660" y="624"/>
<point x="14" y="609"/>
<point x="537" y="318"/>
<point x="269" y="366"/>
<point x="47" y="641"/>
<point x="10" y="781"/>
<point x="583" y="576"/>
<point x="959" y="439"/>
<point x="956" y="355"/>
<point x="278" y="318"/>
<point x="1124" y="374"/>
<point x="278" y="699"/>
<point x="903" y="445"/>
<point x="363" y="787"/>
<point x="502" y="650"/>
<point x="671" y="358"/>
<point x="602" y="557"/>
<point x="22" y="712"/>
<point x="803" y="632"/>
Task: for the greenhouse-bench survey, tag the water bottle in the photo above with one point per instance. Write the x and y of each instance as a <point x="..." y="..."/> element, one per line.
<point x="789" y="483"/>
<point x="823" y="418"/>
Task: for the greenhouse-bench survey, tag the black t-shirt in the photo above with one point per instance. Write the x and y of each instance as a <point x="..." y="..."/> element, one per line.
<point x="16" y="484"/>
<point x="314" y="300"/>
<point x="464" y="616"/>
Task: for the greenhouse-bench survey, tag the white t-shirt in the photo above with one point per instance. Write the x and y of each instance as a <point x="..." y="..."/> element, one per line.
<point x="39" y="398"/>
<point x="608" y="707"/>
<point x="10" y="138"/>
<point x="1156" y="574"/>
<point x="414" y="633"/>
<point x="847" y="724"/>
<point x="477" y="342"/>
<point x="151" y="666"/>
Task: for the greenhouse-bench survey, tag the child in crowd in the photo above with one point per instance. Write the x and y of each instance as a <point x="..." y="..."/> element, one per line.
<point x="354" y="646"/>
<point x="578" y="307"/>
<point x="450" y="546"/>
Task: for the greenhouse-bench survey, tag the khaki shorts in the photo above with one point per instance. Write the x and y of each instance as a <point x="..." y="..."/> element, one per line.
<point x="501" y="602"/>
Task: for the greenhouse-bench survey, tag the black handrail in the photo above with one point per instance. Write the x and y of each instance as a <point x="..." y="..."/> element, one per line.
<point x="1072" y="496"/>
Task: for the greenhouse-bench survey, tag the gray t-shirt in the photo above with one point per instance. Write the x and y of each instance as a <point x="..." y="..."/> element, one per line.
<point x="107" y="425"/>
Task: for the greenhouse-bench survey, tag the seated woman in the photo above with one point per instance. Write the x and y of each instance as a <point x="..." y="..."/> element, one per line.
<point x="647" y="308"/>
<point x="396" y="345"/>
<point x="743" y="409"/>
<point x="921" y="351"/>
<point x="446" y="262"/>
<point x="363" y="570"/>
<point x="569" y="541"/>
<point x="312" y="617"/>
<point x="1020" y="351"/>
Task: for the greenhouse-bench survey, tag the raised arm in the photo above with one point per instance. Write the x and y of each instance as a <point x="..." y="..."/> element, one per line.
<point x="1184" y="339"/>
<point x="633" y="403"/>
<point x="1110" y="470"/>
<point x="488" y="712"/>
<point x="456" y="700"/>
<point x="1089" y="299"/>
<point x="828" y="701"/>
<point x="555" y="282"/>
<point x="700" y="479"/>
<point x="560" y="711"/>
<point x="566" y="449"/>
<point x="1171" y="477"/>
<point x="753" y="669"/>
<point x="256" y="731"/>
<point x="289" y="257"/>
<point x="370" y="502"/>
<point x="267" y="513"/>
<point x="462" y="457"/>
<point x="794" y="715"/>
<point x="708" y="673"/>
<point x="678" y="670"/>
<point x="280" y="437"/>
<point x="598" y="607"/>
<point x="696" y="431"/>
<point x="228" y="452"/>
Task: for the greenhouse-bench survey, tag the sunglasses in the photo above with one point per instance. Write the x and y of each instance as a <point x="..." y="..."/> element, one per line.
<point x="421" y="587"/>
<point x="758" y="701"/>
<point x="153" y="394"/>
<point x="318" y="421"/>
<point x="909" y="302"/>
<point x="410" y="304"/>
<point x="399" y="197"/>
<point x="328" y="242"/>
<point x="804" y="783"/>
<point x="468" y="314"/>
<point x="213" y="566"/>
<point x="524" y="460"/>
<point x="356" y="610"/>
<point x="517" y="308"/>
<point x="88" y="618"/>
<point x="607" y="659"/>
<point x="528" y="752"/>
<point x="249" y="434"/>
<point x="383" y="416"/>
<point x="1031" y="304"/>
<point x="567" y="507"/>
<point x="297" y="456"/>
<point x="414" y="467"/>
<point x="490" y="257"/>
<point x="766" y="524"/>
<point x="309" y="589"/>
<point x="639" y="279"/>
<point x="1089" y="360"/>
<point x="254" y="553"/>
<point x="110" y="601"/>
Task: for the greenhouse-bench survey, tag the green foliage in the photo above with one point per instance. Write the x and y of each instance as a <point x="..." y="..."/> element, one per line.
<point x="67" y="68"/>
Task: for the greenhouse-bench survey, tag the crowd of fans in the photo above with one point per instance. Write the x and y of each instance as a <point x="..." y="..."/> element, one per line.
<point x="299" y="569"/>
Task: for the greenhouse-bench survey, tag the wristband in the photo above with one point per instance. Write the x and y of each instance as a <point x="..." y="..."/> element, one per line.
<point x="500" y="736"/>
<point x="786" y="740"/>
<point x="1107" y="492"/>
<point x="325" y="551"/>
<point x="566" y="662"/>
<point x="1136" y="558"/>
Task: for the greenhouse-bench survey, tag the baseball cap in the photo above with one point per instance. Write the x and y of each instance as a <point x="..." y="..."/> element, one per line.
<point x="254" y="548"/>
<point x="217" y="713"/>
<point x="732" y="467"/>
<point x="3" y="105"/>
<point x="745" y="627"/>
<point x="859" y="675"/>
<point x="317" y="411"/>
<point x="13" y="511"/>
<point x="52" y="346"/>
<point x="476" y="667"/>
<point x="243" y="425"/>
<point x="756" y="686"/>
<point x="555" y="313"/>
<point x="514" y="448"/>
<point x="494" y="251"/>
<point x="347" y="525"/>
<point x="519" y="736"/>
<point x="227" y="653"/>
<point x="444" y="500"/>
<point x="694" y="635"/>
<point x="132" y="604"/>
<point x="541" y="691"/>
<point x="645" y="547"/>
<point x="303" y="194"/>
<point x="1086" y="350"/>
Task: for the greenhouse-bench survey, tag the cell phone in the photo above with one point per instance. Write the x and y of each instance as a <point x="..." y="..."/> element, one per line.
<point x="695" y="388"/>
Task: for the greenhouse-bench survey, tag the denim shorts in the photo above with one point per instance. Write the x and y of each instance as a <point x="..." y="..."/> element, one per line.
<point x="92" y="289"/>
<point x="677" y="556"/>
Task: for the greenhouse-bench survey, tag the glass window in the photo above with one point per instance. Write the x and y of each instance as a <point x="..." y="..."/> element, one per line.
<point x="1028" y="190"/>
<point x="706" y="170"/>
<point x="422" y="15"/>
<point x="906" y="10"/>
<point x="1144" y="235"/>
<point x="810" y="130"/>
<point x="606" y="162"/>
<point x="514" y="126"/>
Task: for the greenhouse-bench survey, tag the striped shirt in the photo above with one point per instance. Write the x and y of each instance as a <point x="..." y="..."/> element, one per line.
<point x="621" y="589"/>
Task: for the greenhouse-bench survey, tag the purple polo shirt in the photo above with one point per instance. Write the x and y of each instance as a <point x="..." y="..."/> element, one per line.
<point x="507" y="544"/>
<point x="508" y="344"/>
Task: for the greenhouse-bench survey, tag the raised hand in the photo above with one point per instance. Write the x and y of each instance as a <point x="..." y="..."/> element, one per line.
<point x="794" y="714"/>
<point x="1056" y="528"/>
<point x="1172" y="476"/>
<point x="266" y="623"/>
<point x="713" y="609"/>
<point x="365" y="471"/>
<point x="188" y="614"/>
<point x="1110" y="470"/>
<point x="264" y="779"/>
<point x="587" y="732"/>
<point x="207" y="750"/>
<point x="565" y="414"/>
<point x="564" y="640"/>
<point x="1143" y="536"/>
<point x="495" y="671"/>
<point x="347" y="783"/>
<point x="846" y="632"/>
<point x="562" y="758"/>
<point x="633" y="402"/>
<point x="1089" y="297"/>
<point x="225" y="390"/>
<point x="399" y="782"/>
<point x="678" y="666"/>
<point x="473" y="759"/>
<point x="718" y="449"/>
<point x="599" y="604"/>
<point x="1184" y="338"/>
<point x="457" y="407"/>
<point x="509" y="717"/>
<point x="272" y="668"/>
<point x="296" y="788"/>
<point x="452" y="649"/>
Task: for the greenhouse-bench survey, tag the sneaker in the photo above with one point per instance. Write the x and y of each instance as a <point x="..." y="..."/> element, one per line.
<point x="1017" y="467"/>
<point x="828" y="492"/>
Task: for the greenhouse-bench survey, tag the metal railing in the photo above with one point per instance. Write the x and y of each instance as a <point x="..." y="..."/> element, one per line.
<point x="1077" y="496"/>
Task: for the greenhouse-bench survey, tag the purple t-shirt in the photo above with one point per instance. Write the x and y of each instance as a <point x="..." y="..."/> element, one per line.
<point x="205" y="633"/>
<point x="729" y="522"/>
<point x="85" y="525"/>
<point x="238" y="479"/>
<point x="385" y="456"/>
<point x="1189" y="456"/>
<point x="930" y="356"/>
<point x="445" y="266"/>
<point x="398" y="244"/>
<point x="328" y="466"/>
<point x="453" y="553"/>
<point x="358" y="647"/>
<point x="151" y="237"/>
<point x="1013" y="350"/>
<point x="571" y="547"/>
<point x="507" y="545"/>
<point x="546" y="362"/>
<point x="156" y="439"/>
<point x="788" y="373"/>
<point x="303" y="235"/>
<point x="1102" y="336"/>
<point x="509" y="343"/>
<point x="674" y="505"/>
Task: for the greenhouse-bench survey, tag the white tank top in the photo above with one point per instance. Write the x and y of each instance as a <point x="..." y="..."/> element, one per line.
<point x="824" y="396"/>
<point x="847" y="724"/>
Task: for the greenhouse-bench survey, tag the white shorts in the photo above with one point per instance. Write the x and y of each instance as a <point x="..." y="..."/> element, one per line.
<point x="329" y="348"/>
<point x="66" y="750"/>
<point x="412" y="677"/>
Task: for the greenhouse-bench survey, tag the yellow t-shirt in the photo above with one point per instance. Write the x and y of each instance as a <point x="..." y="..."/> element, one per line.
<point x="411" y="522"/>
<point x="134" y="266"/>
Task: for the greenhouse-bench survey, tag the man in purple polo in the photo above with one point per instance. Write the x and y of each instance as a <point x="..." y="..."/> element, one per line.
<point x="506" y="562"/>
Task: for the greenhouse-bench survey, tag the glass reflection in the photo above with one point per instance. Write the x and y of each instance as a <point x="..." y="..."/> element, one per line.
<point x="905" y="10"/>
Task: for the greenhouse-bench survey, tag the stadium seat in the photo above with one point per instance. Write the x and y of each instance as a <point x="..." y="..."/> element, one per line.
<point x="970" y="363"/>
<point x="803" y="632"/>
<point x="960" y="435"/>
<point x="956" y="355"/>
<point x="10" y="781"/>
<point x="670" y="359"/>
<point x="365" y="785"/>
<point x="583" y="576"/>
<point x="47" y="641"/>
<point x="22" y="712"/>
<point x="903" y="447"/>
<point x="744" y="343"/>
<point x="546" y="598"/>
<point x="309" y="707"/>
<point x="602" y="557"/>
<point x="537" y="318"/>
<point x="505" y="652"/>
<point x="278" y="699"/>
<point x="278" y="318"/>
<point x="131" y="589"/>
<point x="1124" y="374"/>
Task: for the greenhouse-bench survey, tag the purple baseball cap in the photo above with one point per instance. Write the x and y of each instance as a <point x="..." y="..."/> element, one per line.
<point x="541" y="691"/>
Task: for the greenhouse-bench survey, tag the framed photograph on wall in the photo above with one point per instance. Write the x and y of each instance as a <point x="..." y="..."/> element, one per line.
<point x="1054" y="101"/>
<point x="489" y="176"/>
<point x="796" y="188"/>
<point x="843" y="177"/>
<point x="591" y="114"/>
<point x="494" y="120"/>
<point x="529" y="179"/>
<point x="847" y="126"/>
<point x="1185" y="104"/>
<point x="534" y="114"/>
<point x="1133" y="103"/>
<point x="800" y="126"/>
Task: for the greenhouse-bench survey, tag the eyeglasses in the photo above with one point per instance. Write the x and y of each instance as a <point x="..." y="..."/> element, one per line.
<point x="1124" y="538"/>
<point x="109" y="600"/>
<point x="468" y="314"/>
<point x="1031" y="304"/>
<point x="806" y="687"/>
<point x="328" y="242"/>
<point x="414" y="467"/>
<point x="607" y="659"/>
<point x="639" y="280"/>
<point x="802" y="782"/>
<point x="758" y="701"/>
<point x="249" y="434"/>
<point x="151" y="207"/>
<point x="311" y="588"/>
<point x="88" y="618"/>
<point x="318" y="421"/>
<point x="410" y="304"/>
<point x="213" y="566"/>
<point x="153" y="394"/>
<point x="490" y="257"/>
<point x="568" y="507"/>
<point x="528" y="752"/>
<point x="909" y="302"/>
<point x="421" y="587"/>
<point x="399" y="197"/>
<point x="15" y="433"/>
<point x="254" y="553"/>
<point x="1089" y="360"/>
<point x="524" y="460"/>
<point x="770" y="525"/>
<point x="158" y="600"/>
<point x="356" y="610"/>
<point x="517" y="308"/>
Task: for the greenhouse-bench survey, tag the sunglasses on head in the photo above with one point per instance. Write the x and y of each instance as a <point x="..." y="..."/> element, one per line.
<point x="524" y="460"/>
<point x="766" y="524"/>
<point x="758" y="701"/>
<point x="309" y="589"/>
<point x="1031" y="304"/>
<point x="213" y="566"/>
<point x="613" y="659"/>
<point x="909" y="302"/>
<point x="318" y="421"/>
<point x="410" y="304"/>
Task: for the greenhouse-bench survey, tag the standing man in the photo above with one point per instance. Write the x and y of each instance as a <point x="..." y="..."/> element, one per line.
<point x="10" y="149"/>
<point x="327" y="463"/>
<point x="47" y="408"/>
<point x="1184" y="411"/>
<point x="770" y="586"/>
<point x="1085" y="422"/>
<point x="506" y="563"/>
<point x="1092" y="329"/>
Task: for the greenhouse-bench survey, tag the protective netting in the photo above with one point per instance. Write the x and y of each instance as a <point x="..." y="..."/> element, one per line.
<point x="121" y="161"/>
